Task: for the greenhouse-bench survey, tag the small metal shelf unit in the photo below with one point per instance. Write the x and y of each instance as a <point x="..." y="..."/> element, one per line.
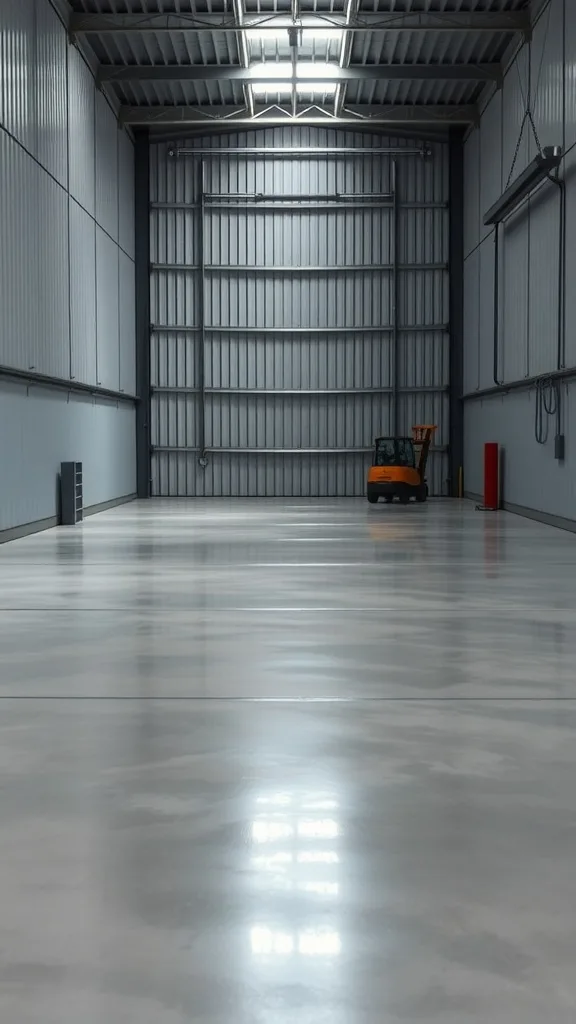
<point x="71" y="493"/>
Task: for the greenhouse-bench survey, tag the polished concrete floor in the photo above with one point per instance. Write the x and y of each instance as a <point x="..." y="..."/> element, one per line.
<point x="288" y="763"/>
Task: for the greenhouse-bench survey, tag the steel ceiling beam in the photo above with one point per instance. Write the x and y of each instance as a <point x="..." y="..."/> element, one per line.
<point x="331" y="73"/>
<point x="429" y="21"/>
<point x="359" y="115"/>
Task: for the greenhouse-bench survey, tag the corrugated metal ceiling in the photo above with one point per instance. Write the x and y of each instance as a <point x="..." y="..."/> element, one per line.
<point x="377" y="47"/>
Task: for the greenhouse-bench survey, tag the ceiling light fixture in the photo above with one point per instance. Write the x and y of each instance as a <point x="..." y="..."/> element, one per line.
<point x="306" y="70"/>
<point x="261" y="88"/>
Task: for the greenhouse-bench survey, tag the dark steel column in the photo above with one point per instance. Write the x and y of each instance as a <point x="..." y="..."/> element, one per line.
<point x="202" y="315"/>
<point x="395" y="304"/>
<point x="456" y="270"/>
<point x="142" y="271"/>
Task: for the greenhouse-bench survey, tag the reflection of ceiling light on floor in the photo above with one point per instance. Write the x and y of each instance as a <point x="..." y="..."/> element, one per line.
<point x="320" y="805"/>
<point x="320" y="888"/>
<point x="319" y="943"/>
<point x="275" y="799"/>
<point x="318" y="857"/>
<point x="317" y="828"/>
<point x="265" y="942"/>
<point x="271" y="831"/>
<point x="268" y="942"/>
<point x="267" y="830"/>
<point x="272" y="861"/>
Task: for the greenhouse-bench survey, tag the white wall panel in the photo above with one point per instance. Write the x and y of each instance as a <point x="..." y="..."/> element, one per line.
<point x="543" y="284"/>
<point x="127" y="315"/>
<point x="107" y="312"/>
<point x="81" y="120"/>
<point x="530" y="300"/>
<point x="82" y="294"/>
<point x="18" y="71"/>
<point x="472" y="192"/>
<point x="486" y="322"/>
<point x="471" y="321"/>
<point x="40" y="429"/>
<point x="569" y="75"/>
<point x="547" y="77"/>
<point x="126" y="193"/>
<point x="50" y="351"/>
<point x="59" y="286"/>
<point x="490" y="158"/>
<point x="515" y="141"/>
<point x="514" y="299"/>
<point x="106" y="167"/>
<point x="51" y="89"/>
<point x="531" y="477"/>
<point x="18" y="312"/>
<point x="570" y="334"/>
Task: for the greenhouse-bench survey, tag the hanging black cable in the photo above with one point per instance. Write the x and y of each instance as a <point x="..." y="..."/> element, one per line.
<point x="547" y="406"/>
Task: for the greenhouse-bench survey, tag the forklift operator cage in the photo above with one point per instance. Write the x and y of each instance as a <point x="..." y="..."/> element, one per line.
<point x="394" y="451"/>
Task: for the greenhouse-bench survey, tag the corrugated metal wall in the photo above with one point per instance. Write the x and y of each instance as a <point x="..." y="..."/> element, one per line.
<point x="66" y="267"/>
<point x="542" y="77"/>
<point x="297" y="299"/>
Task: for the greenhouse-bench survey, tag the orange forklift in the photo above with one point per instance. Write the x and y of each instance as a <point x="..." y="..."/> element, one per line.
<point x="398" y="467"/>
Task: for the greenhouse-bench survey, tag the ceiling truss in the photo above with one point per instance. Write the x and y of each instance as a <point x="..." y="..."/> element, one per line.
<point x="359" y="115"/>
<point x="332" y="73"/>
<point x="444" y="75"/>
<point x="445" y="21"/>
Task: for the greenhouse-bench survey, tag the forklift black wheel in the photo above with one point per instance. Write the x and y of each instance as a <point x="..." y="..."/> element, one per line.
<point x="404" y="499"/>
<point x="372" y="496"/>
<point x="422" y="493"/>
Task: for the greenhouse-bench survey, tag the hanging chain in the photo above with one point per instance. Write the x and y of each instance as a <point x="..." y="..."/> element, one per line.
<point x="534" y="130"/>
<point x="517" y="150"/>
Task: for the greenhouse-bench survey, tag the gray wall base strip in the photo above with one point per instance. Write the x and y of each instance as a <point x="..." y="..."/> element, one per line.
<point x="16" y="532"/>
<point x="531" y="513"/>
<point x="93" y="510"/>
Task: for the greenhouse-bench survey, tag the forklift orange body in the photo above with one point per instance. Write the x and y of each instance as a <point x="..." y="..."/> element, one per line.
<point x="398" y="467"/>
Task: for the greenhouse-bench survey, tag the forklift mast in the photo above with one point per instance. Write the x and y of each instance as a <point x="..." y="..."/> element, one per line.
<point x="422" y="438"/>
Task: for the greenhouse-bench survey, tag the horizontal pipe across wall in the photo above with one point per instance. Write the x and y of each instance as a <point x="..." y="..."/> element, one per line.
<point x="289" y="152"/>
<point x="520" y="385"/>
<point x="61" y="384"/>
<point x="429" y="389"/>
<point x="211" y="450"/>
<point x="250" y="329"/>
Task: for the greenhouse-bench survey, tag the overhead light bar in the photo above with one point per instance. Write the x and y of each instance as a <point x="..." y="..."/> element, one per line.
<point x="262" y="88"/>
<point x="536" y="172"/>
<point x="283" y="69"/>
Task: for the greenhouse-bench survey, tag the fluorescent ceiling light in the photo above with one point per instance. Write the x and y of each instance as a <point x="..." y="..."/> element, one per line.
<point x="261" y="88"/>
<point x="305" y="69"/>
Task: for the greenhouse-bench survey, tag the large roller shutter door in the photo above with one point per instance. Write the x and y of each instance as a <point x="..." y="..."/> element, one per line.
<point x="298" y="310"/>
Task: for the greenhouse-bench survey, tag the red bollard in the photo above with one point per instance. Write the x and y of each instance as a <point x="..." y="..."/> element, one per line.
<point x="491" y="476"/>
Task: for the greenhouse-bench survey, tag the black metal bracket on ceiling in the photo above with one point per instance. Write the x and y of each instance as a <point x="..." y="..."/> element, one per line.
<point x="44" y="380"/>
